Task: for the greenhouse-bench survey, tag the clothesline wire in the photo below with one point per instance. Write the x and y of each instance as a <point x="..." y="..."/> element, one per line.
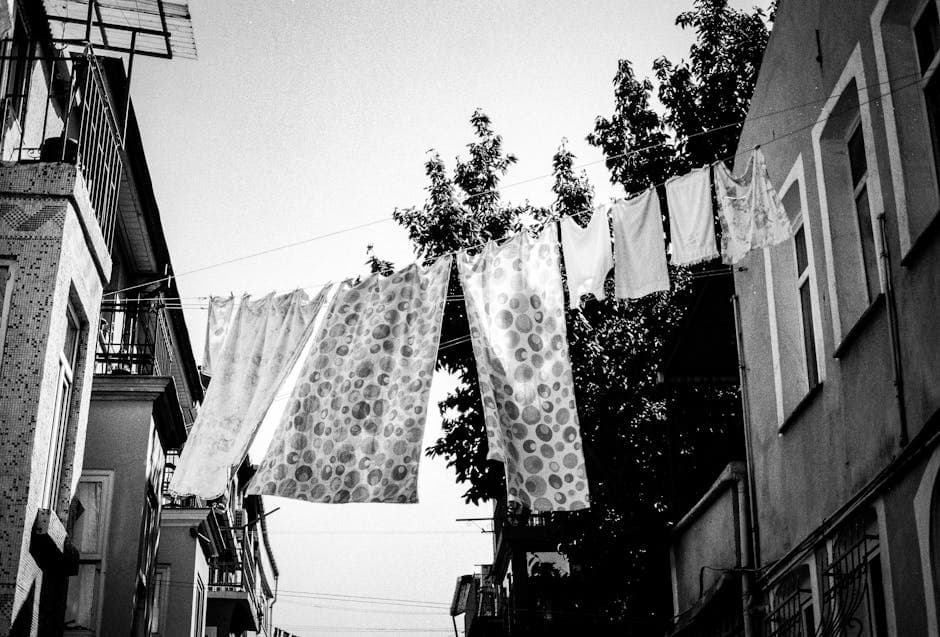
<point x="623" y="155"/>
<point x="195" y="304"/>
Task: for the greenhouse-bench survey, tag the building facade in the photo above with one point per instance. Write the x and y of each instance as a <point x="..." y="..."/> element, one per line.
<point x="836" y="527"/>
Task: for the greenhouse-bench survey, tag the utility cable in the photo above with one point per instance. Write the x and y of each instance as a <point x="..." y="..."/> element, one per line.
<point x="623" y="155"/>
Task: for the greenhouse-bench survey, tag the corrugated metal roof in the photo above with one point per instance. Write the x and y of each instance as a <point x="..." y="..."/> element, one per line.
<point x="164" y="28"/>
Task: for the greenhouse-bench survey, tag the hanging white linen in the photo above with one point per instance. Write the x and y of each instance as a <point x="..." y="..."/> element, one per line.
<point x="639" y="247"/>
<point x="515" y="306"/>
<point x="221" y="310"/>
<point x="354" y="424"/>
<point x="260" y="346"/>
<point x="588" y="256"/>
<point x="751" y="214"/>
<point x="691" y="218"/>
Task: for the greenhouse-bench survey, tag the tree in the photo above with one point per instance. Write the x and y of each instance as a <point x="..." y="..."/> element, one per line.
<point x="616" y="348"/>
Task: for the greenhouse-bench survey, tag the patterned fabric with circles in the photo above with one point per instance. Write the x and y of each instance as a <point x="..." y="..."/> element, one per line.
<point x="256" y="344"/>
<point x="515" y="306"/>
<point x="354" y="424"/>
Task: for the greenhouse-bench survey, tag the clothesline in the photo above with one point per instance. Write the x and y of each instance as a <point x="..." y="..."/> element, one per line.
<point x="625" y="154"/>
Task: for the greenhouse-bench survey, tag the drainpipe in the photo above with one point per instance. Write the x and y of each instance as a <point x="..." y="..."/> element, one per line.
<point x="754" y="543"/>
<point x="745" y="566"/>
<point x="893" y="332"/>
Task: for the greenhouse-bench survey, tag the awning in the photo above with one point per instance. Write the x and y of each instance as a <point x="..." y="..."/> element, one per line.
<point x="158" y="28"/>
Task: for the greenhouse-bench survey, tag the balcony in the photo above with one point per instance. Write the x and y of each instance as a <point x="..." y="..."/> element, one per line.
<point x="234" y="602"/>
<point x="75" y="122"/>
<point x="482" y="603"/>
<point x="133" y="339"/>
<point x="519" y="526"/>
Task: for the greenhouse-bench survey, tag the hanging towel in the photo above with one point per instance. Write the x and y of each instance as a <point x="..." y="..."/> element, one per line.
<point x="588" y="256"/>
<point x="751" y="214"/>
<point x="261" y="345"/>
<point x="639" y="247"/>
<point x="691" y="219"/>
<point x="221" y="310"/>
<point x="354" y="424"/>
<point x="515" y="306"/>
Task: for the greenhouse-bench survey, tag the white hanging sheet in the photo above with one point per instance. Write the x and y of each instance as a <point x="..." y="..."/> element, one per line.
<point x="588" y="256"/>
<point x="260" y="346"/>
<point x="691" y="218"/>
<point x="639" y="246"/>
<point x="515" y="306"/>
<point x="353" y="427"/>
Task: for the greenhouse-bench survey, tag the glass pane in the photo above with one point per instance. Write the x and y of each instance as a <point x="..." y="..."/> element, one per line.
<point x="799" y="242"/>
<point x="857" y="161"/>
<point x="867" y="238"/>
<point x="809" y="335"/>
<point x="927" y="35"/>
<point x="86" y="534"/>
<point x="932" y="98"/>
<point x="80" y="604"/>
<point x="71" y="337"/>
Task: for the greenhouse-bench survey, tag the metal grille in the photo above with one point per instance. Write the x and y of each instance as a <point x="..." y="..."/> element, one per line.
<point x="851" y="601"/>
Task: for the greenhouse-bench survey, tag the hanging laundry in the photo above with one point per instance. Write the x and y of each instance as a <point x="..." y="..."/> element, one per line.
<point x="588" y="256"/>
<point x="751" y="214"/>
<point x="691" y="218"/>
<point x="639" y="247"/>
<point x="515" y="306"/>
<point x="354" y="424"/>
<point x="221" y="310"/>
<point x="261" y="344"/>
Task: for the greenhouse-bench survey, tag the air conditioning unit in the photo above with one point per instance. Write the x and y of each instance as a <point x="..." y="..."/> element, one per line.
<point x="241" y="521"/>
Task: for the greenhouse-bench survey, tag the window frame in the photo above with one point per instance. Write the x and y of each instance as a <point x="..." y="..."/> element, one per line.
<point x="99" y="557"/>
<point x="852" y="73"/>
<point x="796" y="178"/>
<point x="62" y="410"/>
<point x="872" y="288"/>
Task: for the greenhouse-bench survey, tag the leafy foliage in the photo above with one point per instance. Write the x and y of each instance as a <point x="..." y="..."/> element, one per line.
<point x="636" y="430"/>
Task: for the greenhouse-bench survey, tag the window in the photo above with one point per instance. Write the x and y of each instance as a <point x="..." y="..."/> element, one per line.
<point x="793" y="611"/>
<point x="90" y="536"/>
<point x="60" y="419"/>
<point x="927" y="42"/>
<point x="806" y="306"/>
<point x="7" y="273"/>
<point x="199" y="608"/>
<point x="858" y="166"/>
<point x="14" y="73"/>
<point x="161" y="582"/>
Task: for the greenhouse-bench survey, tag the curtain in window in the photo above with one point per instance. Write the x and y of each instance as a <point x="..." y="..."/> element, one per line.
<point x="354" y="424"/>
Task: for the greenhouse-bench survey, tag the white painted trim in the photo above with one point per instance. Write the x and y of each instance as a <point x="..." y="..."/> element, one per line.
<point x="10" y="264"/>
<point x="923" y="501"/>
<point x="774" y="337"/>
<point x="891" y="129"/>
<point x="884" y="554"/>
<point x="854" y="70"/>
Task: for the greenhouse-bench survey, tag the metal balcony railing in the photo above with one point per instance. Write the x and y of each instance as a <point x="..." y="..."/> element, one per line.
<point x="133" y="338"/>
<point x="237" y="577"/>
<point x="74" y="122"/>
<point x="504" y="518"/>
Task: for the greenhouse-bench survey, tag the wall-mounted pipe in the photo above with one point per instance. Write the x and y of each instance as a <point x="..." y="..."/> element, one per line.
<point x="893" y="332"/>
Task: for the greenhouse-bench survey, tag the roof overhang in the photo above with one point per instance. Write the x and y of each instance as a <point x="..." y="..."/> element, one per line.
<point x="158" y="28"/>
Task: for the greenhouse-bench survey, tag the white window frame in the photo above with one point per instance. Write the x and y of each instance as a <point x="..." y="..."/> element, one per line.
<point x="5" y="302"/>
<point x="99" y="557"/>
<point x="62" y="412"/>
<point x="796" y="177"/>
<point x="199" y="608"/>
<point x="864" y="184"/>
<point x="853" y="70"/>
<point x="161" y="574"/>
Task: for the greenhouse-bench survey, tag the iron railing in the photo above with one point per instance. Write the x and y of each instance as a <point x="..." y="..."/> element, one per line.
<point x="78" y="123"/>
<point x="133" y="338"/>
<point x="237" y="577"/>
<point x="171" y="501"/>
<point x="504" y="517"/>
<point x="849" y="593"/>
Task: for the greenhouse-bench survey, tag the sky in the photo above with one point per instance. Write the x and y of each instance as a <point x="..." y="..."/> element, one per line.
<point x="301" y="119"/>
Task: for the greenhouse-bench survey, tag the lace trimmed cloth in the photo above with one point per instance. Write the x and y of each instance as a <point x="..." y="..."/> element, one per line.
<point x="255" y="344"/>
<point x="515" y="307"/>
<point x="354" y="424"/>
<point x="750" y="212"/>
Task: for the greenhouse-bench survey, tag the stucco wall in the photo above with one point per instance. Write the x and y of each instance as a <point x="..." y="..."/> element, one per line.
<point x="187" y="562"/>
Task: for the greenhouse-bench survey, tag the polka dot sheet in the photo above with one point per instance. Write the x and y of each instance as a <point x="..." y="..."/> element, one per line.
<point x="515" y="307"/>
<point x="353" y="427"/>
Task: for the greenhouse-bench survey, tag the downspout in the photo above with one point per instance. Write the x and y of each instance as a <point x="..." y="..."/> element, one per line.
<point x="755" y="557"/>
<point x="745" y="566"/>
<point x="893" y="332"/>
<point x="749" y="536"/>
